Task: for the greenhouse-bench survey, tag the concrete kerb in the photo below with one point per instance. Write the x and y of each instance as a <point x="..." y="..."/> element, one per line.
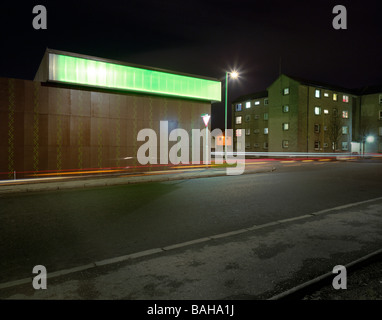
<point x="113" y="181"/>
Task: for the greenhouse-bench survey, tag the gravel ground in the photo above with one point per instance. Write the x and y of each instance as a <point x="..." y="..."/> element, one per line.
<point x="363" y="283"/>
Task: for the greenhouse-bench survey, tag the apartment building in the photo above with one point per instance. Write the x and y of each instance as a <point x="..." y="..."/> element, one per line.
<point x="297" y="115"/>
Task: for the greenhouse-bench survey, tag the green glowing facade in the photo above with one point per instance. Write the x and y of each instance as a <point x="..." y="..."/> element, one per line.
<point x="104" y="74"/>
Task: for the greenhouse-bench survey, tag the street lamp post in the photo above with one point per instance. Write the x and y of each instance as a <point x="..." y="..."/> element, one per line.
<point x="234" y="75"/>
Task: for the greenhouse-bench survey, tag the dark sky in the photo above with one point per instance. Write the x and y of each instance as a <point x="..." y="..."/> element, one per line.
<point x="205" y="38"/>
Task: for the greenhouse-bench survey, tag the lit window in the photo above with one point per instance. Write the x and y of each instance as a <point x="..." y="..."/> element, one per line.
<point x="286" y="91"/>
<point x="247" y="117"/>
<point x="285" y="108"/>
<point x="265" y="145"/>
<point x="266" y="116"/>
<point x="238" y="132"/>
<point x="238" y="120"/>
<point x="335" y="96"/>
<point x="265" y="130"/>
<point x="247" y="131"/>
<point x="326" y="95"/>
<point x="317" y="145"/>
<point x="257" y="103"/>
<point x="317" y="111"/>
<point x="380" y="131"/>
<point x="326" y="111"/>
<point x="345" y="98"/>
<point x="345" y="130"/>
<point x="285" y="143"/>
<point x="344" y="145"/>
<point x="265" y="102"/>
<point x="248" y="104"/>
<point x="317" y="93"/>
<point x="317" y="128"/>
<point x="238" y="107"/>
<point x="285" y="126"/>
<point x="345" y="114"/>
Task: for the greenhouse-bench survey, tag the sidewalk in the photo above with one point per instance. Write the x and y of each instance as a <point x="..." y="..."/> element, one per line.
<point x="258" y="262"/>
<point x="49" y="184"/>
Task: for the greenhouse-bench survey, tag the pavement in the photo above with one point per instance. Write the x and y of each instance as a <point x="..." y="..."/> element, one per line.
<point x="258" y="262"/>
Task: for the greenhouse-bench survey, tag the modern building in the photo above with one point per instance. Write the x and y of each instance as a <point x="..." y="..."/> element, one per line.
<point x="297" y="115"/>
<point x="83" y="112"/>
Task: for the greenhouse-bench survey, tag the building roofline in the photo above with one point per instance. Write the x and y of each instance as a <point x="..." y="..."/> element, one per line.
<point x="117" y="62"/>
<point x="252" y="96"/>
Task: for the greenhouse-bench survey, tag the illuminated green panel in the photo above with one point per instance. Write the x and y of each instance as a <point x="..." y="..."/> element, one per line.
<point x="109" y="75"/>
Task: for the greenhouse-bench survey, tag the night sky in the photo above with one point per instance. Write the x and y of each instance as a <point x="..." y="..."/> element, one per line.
<point x="205" y="38"/>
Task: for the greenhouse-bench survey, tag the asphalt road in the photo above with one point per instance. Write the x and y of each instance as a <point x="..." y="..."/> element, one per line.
<point x="69" y="228"/>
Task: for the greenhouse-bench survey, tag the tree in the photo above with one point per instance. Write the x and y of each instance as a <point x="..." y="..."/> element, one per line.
<point x="335" y="130"/>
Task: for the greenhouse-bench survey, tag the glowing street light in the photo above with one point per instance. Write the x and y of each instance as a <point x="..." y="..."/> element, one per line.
<point x="234" y="75"/>
<point x="370" y="139"/>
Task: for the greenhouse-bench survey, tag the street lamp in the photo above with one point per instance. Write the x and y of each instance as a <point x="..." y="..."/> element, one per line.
<point x="234" y="75"/>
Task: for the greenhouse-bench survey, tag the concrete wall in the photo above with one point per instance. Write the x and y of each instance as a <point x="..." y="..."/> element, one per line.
<point x="47" y="128"/>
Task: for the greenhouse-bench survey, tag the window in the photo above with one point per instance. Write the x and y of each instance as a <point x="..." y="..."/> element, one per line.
<point x="286" y="91"/>
<point x="285" y="126"/>
<point x="265" y="145"/>
<point x="285" y="108"/>
<point x="238" y="132"/>
<point x="256" y="131"/>
<point x="247" y="145"/>
<point x="326" y="145"/>
<point x="248" y="104"/>
<point x="265" y="130"/>
<point x="380" y="114"/>
<point x="326" y="111"/>
<point x="247" y="131"/>
<point x="238" y="120"/>
<point x="285" y="143"/>
<point x="380" y="131"/>
<point x="257" y="116"/>
<point x="317" y="93"/>
<point x="317" y="111"/>
<point x="380" y="99"/>
<point x="345" y="130"/>
<point x="265" y="102"/>
<point x="256" y="145"/>
<point x="344" y="145"/>
<point x="325" y="128"/>
<point x="266" y="116"/>
<point x="238" y="107"/>
<point x="257" y="103"/>
<point x="345" y="114"/>
<point x="317" y="128"/>
<point x="316" y="145"/>
<point x="345" y="98"/>
<point x="247" y="117"/>
<point x="326" y="95"/>
<point x="335" y="96"/>
<point x="335" y="112"/>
